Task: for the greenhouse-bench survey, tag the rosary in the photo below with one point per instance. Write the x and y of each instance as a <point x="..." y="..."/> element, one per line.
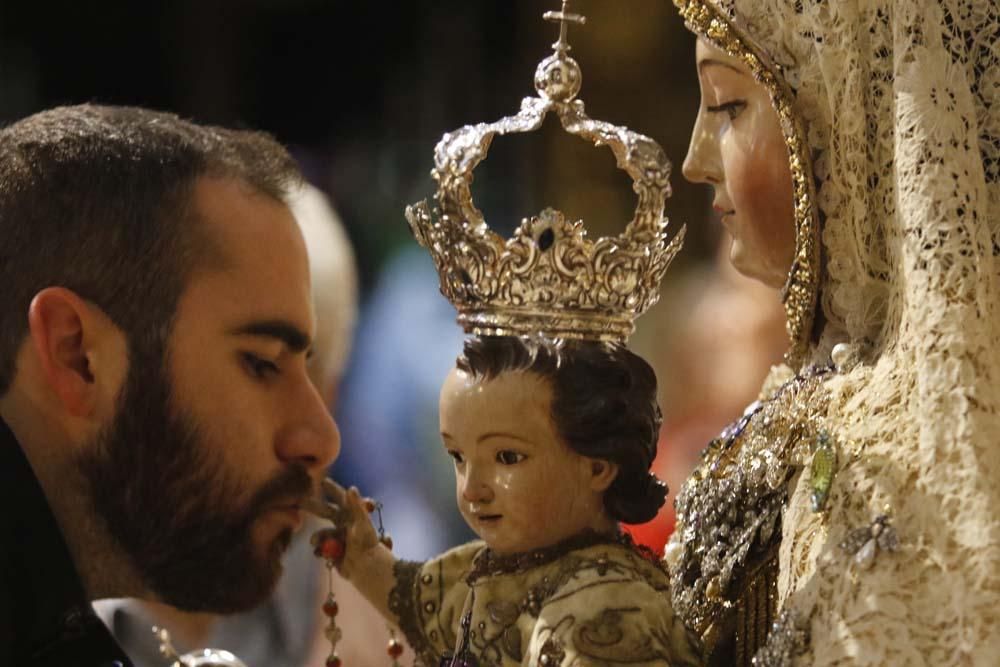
<point x="329" y="544"/>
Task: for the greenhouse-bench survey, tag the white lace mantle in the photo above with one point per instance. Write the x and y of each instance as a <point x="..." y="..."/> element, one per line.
<point x="901" y="104"/>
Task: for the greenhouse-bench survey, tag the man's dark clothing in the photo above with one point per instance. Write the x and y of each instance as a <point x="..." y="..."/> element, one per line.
<point x="45" y="617"/>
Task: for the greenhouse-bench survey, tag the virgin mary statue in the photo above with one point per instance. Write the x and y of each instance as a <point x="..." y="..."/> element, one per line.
<point x="852" y="515"/>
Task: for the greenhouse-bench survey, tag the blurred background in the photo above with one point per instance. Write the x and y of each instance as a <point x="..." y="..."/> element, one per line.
<point x="361" y="92"/>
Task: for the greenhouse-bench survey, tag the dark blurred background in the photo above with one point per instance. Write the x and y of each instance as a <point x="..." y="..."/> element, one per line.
<point x="361" y="92"/>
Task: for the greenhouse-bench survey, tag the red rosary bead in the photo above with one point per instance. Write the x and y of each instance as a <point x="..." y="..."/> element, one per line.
<point x="395" y="649"/>
<point x="330" y="608"/>
<point x="331" y="548"/>
<point x="333" y="661"/>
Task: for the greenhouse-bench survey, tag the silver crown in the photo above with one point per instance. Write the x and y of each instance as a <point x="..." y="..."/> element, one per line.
<point x="548" y="279"/>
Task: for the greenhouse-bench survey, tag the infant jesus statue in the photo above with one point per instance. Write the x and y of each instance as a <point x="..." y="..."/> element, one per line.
<point x="552" y="423"/>
<point x="552" y="443"/>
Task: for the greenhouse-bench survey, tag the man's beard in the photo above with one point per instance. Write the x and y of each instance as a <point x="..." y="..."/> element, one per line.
<point x="174" y="508"/>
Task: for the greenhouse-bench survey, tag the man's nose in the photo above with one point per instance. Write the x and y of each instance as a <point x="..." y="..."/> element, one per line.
<point x="313" y="440"/>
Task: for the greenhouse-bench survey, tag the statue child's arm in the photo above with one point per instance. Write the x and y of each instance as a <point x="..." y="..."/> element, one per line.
<point x="367" y="564"/>
<point x="423" y="600"/>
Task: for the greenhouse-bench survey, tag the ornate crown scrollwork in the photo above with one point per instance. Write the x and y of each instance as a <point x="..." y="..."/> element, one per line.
<point x="549" y="278"/>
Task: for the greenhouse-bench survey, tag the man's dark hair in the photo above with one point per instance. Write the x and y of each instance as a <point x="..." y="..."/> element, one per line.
<point x="603" y="406"/>
<point x="98" y="200"/>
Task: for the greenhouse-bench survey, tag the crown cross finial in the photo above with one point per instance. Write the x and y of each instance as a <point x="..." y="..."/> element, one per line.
<point x="563" y="17"/>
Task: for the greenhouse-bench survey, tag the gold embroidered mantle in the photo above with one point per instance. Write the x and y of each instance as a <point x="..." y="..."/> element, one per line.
<point x="601" y="604"/>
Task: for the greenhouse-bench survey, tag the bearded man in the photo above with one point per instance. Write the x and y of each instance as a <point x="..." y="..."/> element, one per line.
<point x="159" y="429"/>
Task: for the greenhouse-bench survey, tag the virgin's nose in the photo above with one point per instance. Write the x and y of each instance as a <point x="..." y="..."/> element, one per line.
<point x="703" y="163"/>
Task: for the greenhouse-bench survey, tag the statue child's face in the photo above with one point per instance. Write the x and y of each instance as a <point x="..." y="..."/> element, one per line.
<point x="518" y="485"/>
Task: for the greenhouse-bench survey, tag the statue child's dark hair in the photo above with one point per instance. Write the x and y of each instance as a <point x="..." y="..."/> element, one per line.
<point x="603" y="406"/>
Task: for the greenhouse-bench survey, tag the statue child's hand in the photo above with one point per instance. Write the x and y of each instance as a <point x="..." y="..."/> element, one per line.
<point x="349" y="513"/>
<point x="360" y="533"/>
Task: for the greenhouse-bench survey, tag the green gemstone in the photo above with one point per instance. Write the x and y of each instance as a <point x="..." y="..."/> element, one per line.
<point x="823" y="468"/>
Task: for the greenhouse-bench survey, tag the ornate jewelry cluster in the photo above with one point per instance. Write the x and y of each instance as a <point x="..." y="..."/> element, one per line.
<point x="788" y="639"/>
<point x="548" y="278"/>
<point x="729" y="511"/>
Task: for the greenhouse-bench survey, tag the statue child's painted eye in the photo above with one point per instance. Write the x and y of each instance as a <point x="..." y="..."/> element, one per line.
<point x="456" y="455"/>
<point x="509" y="458"/>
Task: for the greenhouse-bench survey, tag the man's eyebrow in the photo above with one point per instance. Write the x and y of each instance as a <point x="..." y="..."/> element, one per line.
<point x="702" y="64"/>
<point x="294" y="338"/>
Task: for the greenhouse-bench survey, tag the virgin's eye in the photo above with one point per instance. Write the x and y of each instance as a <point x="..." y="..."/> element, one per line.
<point x="456" y="455"/>
<point x="509" y="458"/>
<point x="258" y="368"/>
<point x="731" y="109"/>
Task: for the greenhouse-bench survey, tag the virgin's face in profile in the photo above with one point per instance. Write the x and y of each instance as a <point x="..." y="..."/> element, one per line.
<point x="738" y="148"/>
<point x="518" y="485"/>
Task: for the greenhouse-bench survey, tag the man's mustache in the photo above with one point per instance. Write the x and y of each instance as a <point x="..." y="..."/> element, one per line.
<point x="291" y="486"/>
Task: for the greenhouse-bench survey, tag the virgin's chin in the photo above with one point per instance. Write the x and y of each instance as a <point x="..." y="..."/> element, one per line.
<point x="752" y="266"/>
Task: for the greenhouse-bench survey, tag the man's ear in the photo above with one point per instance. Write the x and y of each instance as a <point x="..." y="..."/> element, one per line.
<point x="603" y="473"/>
<point x="68" y="334"/>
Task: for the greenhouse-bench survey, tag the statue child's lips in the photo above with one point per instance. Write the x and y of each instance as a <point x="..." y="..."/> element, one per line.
<point x="488" y="518"/>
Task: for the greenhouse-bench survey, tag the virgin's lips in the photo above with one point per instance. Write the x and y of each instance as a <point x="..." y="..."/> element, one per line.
<point x="724" y="215"/>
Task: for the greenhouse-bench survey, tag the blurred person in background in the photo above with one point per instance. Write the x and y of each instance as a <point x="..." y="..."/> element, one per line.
<point x="731" y="332"/>
<point x="286" y="631"/>
<point x="406" y="343"/>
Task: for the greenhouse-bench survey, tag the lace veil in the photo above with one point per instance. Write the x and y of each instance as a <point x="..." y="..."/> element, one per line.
<point x="891" y="109"/>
